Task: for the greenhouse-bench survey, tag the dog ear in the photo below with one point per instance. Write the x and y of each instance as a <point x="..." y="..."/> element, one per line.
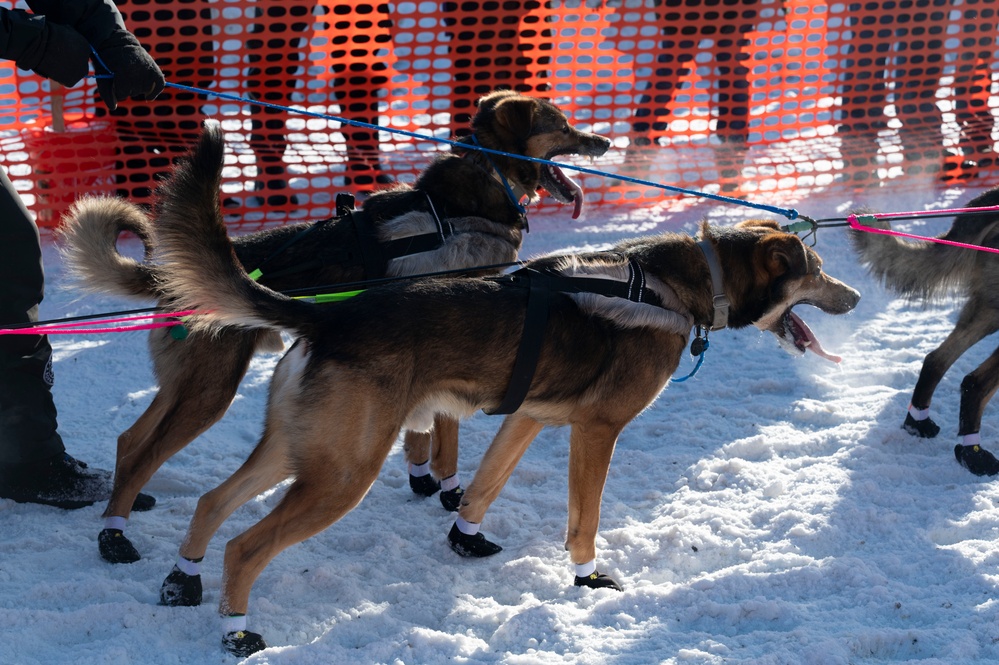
<point x="516" y="116"/>
<point x="784" y="253"/>
<point x="758" y="223"/>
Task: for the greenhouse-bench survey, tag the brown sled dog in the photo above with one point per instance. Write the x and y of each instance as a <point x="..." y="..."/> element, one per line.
<point x="392" y="357"/>
<point x="922" y="271"/>
<point x="461" y="212"/>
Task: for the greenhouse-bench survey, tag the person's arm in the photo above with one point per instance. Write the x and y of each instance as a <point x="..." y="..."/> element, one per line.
<point x="52" y="50"/>
<point x="96" y="20"/>
<point x="133" y="72"/>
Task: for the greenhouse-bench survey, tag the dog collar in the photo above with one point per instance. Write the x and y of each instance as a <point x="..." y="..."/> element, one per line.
<point x="719" y="300"/>
<point x="509" y="190"/>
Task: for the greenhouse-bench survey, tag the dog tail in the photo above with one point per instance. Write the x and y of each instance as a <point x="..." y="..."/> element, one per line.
<point x="88" y="236"/>
<point x="199" y="269"/>
<point x="926" y="270"/>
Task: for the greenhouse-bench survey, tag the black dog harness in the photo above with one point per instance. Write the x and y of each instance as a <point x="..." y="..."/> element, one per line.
<point x="374" y="254"/>
<point x="541" y="284"/>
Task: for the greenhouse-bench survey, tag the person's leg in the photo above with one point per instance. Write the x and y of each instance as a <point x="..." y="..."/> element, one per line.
<point x="34" y="466"/>
<point x="27" y="412"/>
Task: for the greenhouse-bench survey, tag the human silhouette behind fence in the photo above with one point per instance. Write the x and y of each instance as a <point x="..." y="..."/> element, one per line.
<point x="488" y="52"/>
<point x="712" y="41"/>
<point x="895" y="53"/>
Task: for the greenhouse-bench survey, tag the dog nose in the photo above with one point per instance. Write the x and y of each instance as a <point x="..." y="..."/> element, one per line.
<point x="853" y="297"/>
<point x="603" y="144"/>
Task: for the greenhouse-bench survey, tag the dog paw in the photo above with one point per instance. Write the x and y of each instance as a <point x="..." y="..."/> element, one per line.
<point x="924" y="429"/>
<point x="143" y="502"/>
<point x="243" y="643"/>
<point x="424" y="485"/>
<point x="597" y="580"/>
<point x="180" y="589"/>
<point x="451" y="499"/>
<point x="471" y="546"/>
<point x="977" y="460"/>
<point x="115" y="547"/>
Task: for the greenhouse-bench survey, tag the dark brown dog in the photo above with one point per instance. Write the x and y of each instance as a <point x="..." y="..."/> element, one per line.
<point x="922" y="271"/>
<point x="463" y="211"/>
<point x="394" y="356"/>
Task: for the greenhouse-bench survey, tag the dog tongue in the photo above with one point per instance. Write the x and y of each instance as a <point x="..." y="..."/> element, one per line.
<point x="811" y="342"/>
<point x="577" y="197"/>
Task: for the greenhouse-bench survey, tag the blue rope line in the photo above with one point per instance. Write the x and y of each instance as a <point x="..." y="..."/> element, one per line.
<point x="700" y="361"/>
<point x="509" y="190"/>
<point x="789" y="213"/>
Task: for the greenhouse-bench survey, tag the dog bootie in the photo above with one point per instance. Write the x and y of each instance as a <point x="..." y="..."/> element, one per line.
<point x="181" y="590"/>
<point x="597" y="580"/>
<point x="143" y="502"/>
<point x="471" y="546"/>
<point x="424" y="485"/>
<point x="924" y="429"/>
<point x="977" y="460"/>
<point x="243" y="643"/>
<point x="451" y="499"/>
<point x="115" y="547"/>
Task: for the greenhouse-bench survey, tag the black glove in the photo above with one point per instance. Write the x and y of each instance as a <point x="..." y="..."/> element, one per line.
<point x="54" y="51"/>
<point x="135" y="73"/>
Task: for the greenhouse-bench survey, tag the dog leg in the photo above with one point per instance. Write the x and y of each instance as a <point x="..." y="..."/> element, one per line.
<point x="591" y="446"/>
<point x="512" y="439"/>
<point x="193" y="395"/>
<point x="433" y="455"/>
<point x="337" y="456"/>
<point x="444" y="460"/>
<point x="977" y="389"/>
<point x="266" y="466"/>
<point x="971" y="328"/>
<point x="417" y="446"/>
<point x="325" y="490"/>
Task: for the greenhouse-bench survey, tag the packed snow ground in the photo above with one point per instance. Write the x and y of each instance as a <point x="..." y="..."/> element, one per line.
<point x="768" y="511"/>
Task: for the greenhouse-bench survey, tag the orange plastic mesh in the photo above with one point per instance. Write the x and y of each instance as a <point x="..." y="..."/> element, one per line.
<point x="762" y="99"/>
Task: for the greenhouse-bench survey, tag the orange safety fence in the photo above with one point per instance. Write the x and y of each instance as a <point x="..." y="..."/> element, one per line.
<point x="751" y="98"/>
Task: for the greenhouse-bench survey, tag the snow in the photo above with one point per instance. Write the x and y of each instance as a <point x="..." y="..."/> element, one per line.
<point x="768" y="511"/>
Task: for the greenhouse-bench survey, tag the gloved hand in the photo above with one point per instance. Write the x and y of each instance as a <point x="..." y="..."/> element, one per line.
<point x="54" y="51"/>
<point x="136" y="74"/>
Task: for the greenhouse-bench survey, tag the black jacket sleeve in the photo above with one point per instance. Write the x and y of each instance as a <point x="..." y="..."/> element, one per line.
<point x="38" y="44"/>
<point x="94" y="19"/>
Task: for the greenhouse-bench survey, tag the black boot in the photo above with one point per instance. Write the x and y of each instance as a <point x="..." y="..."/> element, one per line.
<point x="62" y="482"/>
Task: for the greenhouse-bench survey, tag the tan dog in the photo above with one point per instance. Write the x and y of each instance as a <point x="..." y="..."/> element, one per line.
<point x="586" y="341"/>
<point x="461" y="212"/>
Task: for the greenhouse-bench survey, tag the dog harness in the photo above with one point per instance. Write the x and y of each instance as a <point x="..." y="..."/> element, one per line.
<point x="541" y="284"/>
<point x="374" y="253"/>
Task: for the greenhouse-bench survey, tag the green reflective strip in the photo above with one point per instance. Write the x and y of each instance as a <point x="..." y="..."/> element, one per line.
<point x="256" y="274"/>
<point x="330" y="297"/>
<point x="795" y="227"/>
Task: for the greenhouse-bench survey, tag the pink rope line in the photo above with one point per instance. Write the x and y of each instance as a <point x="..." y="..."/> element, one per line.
<point x="855" y="224"/>
<point x="77" y="328"/>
